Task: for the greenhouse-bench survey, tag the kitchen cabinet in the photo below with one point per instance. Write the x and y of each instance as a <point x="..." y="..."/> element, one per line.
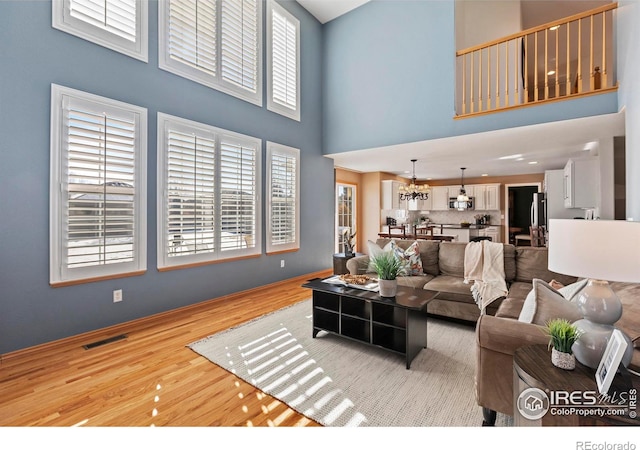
<point x="421" y="205"/>
<point x="440" y="198"/>
<point x="391" y="195"/>
<point x="487" y="196"/>
<point x="492" y="232"/>
<point x="581" y="183"/>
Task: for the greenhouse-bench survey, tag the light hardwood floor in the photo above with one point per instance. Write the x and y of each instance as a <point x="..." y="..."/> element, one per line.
<point x="149" y="379"/>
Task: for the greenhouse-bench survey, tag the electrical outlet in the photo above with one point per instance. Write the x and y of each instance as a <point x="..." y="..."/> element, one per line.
<point x="117" y="295"/>
<point x="282" y="263"/>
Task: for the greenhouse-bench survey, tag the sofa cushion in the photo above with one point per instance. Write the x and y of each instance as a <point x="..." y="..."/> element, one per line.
<point x="451" y="258"/>
<point x="415" y="281"/>
<point x="451" y="288"/>
<point x="375" y="250"/>
<point x="510" y="308"/>
<point x="410" y="258"/>
<point x="519" y="290"/>
<point x="532" y="262"/>
<point x="544" y="303"/>
<point x="509" y="252"/>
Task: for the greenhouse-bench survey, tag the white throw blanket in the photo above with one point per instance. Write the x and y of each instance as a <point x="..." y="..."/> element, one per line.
<point x="484" y="265"/>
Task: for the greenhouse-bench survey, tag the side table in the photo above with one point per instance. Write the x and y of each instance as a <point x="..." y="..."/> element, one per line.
<point x="568" y="397"/>
<point x="340" y="262"/>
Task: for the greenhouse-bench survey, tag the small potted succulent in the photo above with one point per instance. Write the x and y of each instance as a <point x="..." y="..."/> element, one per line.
<point x="388" y="268"/>
<point x="562" y="335"/>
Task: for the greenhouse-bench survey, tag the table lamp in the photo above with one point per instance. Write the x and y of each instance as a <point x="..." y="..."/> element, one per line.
<point x="602" y="251"/>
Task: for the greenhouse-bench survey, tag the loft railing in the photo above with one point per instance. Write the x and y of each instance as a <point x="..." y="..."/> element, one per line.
<point x="562" y="59"/>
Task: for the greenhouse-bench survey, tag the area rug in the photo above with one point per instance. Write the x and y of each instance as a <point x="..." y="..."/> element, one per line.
<point x="339" y="382"/>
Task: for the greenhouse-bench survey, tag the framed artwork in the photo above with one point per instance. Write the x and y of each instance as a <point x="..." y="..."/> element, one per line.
<point x="610" y="361"/>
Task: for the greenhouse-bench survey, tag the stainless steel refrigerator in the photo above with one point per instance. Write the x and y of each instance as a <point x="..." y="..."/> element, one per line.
<point x="539" y="210"/>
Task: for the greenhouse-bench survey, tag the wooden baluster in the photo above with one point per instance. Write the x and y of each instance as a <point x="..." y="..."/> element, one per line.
<point x="546" y="63"/>
<point x="556" y="93"/>
<point x="579" y="72"/>
<point x="518" y="53"/>
<point x="604" y="50"/>
<point x="506" y="73"/>
<point x="526" y="68"/>
<point x="464" y="84"/>
<point x="472" y="82"/>
<point x="535" y="69"/>
<point x="567" y="83"/>
<point x="591" y="70"/>
<point x="480" y="81"/>
<point x="497" y="76"/>
<point x="488" y="77"/>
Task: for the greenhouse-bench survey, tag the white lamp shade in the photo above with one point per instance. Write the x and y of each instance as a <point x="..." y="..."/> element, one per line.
<point x="600" y="249"/>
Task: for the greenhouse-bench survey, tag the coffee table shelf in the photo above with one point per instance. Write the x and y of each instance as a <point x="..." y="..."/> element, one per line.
<point x="398" y="325"/>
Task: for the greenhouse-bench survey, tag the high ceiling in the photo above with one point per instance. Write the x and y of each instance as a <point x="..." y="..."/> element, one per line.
<point x="492" y="153"/>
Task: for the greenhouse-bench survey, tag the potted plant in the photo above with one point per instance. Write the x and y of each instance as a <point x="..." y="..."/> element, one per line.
<point x="562" y="335"/>
<point x="388" y="268"/>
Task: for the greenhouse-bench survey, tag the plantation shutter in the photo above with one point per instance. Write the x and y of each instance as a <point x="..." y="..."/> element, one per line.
<point x="283" y="198"/>
<point x="239" y="43"/>
<point x="284" y="60"/>
<point x="238" y="193"/>
<point x="100" y="180"/>
<point x="115" y="16"/>
<point x="190" y="194"/>
<point x="192" y="33"/>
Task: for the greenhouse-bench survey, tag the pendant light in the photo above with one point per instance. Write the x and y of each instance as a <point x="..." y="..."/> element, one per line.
<point x="462" y="201"/>
<point x="413" y="191"/>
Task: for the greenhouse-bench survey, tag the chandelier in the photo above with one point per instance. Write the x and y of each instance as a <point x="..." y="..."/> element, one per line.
<point x="462" y="201"/>
<point x="412" y="191"/>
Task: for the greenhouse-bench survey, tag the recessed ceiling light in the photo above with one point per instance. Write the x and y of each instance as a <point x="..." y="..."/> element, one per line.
<point x="429" y="178"/>
<point x="590" y="146"/>
<point x="551" y="72"/>
<point x="533" y="162"/>
<point x="520" y="159"/>
<point x="485" y="174"/>
<point x="510" y="156"/>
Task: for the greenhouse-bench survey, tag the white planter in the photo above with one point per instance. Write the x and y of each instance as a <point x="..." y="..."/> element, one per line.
<point x="566" y="361"/>
<point x="388" y="288"/>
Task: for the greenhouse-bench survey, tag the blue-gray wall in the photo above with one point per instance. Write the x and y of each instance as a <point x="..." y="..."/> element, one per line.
<point x="32" y="56"/>
<point x="628" y="56"/>
<point x="389" y="79"/>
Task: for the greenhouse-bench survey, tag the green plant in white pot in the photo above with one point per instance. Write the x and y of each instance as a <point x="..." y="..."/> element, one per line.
<point x="388" y="268"/>
<point x="562" y="335"/>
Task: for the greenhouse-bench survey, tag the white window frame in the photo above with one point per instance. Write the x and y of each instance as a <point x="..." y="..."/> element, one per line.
<point x="272" y="103"/>
<point x="290" y="152"/>
<point x="58" y="192"/>
<point x="62" y="20"/>
<point x="169" y="64"/>
<point x="168" y="122"/>
<point x="354" y="211"/>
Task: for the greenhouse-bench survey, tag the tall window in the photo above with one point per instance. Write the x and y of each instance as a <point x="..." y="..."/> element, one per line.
<point x="283" y="61"/>
<point x="283" y="198"/>
<point x="98" y="187"/>
<point x="345" y="213"/>
<point x="217" y="43"/>
<point x="209" y="184"/>
<point x="121" y="25"/>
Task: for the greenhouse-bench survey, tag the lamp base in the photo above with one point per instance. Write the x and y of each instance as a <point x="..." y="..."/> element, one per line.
<point x="592" y="343"/>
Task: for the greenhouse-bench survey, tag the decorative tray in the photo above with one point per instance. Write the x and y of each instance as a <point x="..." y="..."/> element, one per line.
<point x="364" y="282"/>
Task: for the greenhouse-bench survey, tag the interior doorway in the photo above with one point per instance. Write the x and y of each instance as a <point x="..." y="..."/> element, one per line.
<point x="518" y="198"/>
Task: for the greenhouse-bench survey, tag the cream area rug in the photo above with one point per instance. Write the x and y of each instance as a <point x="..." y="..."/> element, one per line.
<point x="339" y="382"/>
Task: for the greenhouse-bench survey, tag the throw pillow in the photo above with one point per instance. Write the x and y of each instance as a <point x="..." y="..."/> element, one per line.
<point x="375" y="249"/>
<point x="571" y="291"/>
<point x="410" y="258"/>
<point x="544" y="303"/>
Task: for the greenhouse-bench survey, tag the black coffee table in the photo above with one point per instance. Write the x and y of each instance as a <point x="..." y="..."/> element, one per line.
<point x="396" y="324"/>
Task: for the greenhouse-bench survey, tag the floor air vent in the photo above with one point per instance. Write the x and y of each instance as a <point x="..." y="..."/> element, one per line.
<point x="105" y="341"/>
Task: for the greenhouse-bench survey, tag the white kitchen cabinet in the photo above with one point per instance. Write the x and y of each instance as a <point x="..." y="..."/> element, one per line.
<point x="439" y="198"/>
<point x="581" y="183"/>
<point x="421" y="205"/>
<point x="492" y="232"/>
<point x="487" y="197"/>
<point x="391" y="195"/>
